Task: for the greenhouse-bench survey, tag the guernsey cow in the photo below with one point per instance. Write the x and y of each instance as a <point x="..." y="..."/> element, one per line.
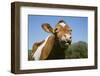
<point x="54" y="46"/>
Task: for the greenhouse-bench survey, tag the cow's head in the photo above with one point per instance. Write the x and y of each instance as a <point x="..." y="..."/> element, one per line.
<point x="62" y="32"/>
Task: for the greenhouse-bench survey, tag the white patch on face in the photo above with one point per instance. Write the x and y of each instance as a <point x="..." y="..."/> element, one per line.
<point x="62" y="24"/>
<point x="63" y="38"/>
<point x="66" y="37"/>
<point x="37" y="54"/>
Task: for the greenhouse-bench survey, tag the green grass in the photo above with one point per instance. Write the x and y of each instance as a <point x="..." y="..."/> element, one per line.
<point x="29" y="55"/>
<point x="77" y="50"/>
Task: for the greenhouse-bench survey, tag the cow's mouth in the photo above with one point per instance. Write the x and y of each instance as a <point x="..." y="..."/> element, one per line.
<point x="68" y="42"/>
<point x="65" y="44"/>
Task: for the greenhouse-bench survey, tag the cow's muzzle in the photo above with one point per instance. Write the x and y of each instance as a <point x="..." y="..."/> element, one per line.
<point x="65" y="44"/>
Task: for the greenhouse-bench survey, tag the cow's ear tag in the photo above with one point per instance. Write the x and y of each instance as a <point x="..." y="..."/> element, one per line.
<point x="53" y="30"/>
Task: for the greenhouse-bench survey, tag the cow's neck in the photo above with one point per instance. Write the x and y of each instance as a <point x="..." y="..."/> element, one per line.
<point x="57" y="52"/>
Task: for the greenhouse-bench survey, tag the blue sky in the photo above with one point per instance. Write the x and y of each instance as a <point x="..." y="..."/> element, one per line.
<point x="79" y="27"/>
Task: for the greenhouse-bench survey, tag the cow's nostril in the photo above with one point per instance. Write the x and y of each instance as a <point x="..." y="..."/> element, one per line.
<point x="70" y="37"/>
<point x="69" y="41"/>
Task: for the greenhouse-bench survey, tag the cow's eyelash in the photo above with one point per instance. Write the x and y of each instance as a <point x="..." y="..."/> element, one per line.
<point x="55" y="29"/>
<point x="70" y="30"/>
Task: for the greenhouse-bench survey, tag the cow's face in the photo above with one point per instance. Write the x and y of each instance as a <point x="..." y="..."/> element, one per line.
<point x="62" y="33"/>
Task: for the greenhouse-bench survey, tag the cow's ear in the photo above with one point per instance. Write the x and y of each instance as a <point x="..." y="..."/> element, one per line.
<point x="47" y="28"/>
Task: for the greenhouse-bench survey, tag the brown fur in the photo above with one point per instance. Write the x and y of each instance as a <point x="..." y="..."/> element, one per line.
<point x="48" y="47"/>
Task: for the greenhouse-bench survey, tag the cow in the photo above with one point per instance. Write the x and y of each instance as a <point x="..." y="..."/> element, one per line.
<point x="54" y="46"/>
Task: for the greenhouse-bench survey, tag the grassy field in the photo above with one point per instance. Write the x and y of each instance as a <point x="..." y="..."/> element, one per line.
<point x="75" y="51"/>
<point x="29" y="55"/>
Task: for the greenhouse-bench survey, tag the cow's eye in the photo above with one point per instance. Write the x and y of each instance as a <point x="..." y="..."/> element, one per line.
<point x="56" y="30"/>
<point x="70" y="30"/>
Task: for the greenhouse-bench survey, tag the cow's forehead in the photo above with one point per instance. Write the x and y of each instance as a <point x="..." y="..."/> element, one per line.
<point x="63" y="26"/>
